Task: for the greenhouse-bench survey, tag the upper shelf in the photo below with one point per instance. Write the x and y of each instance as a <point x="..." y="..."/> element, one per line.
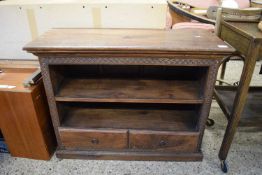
<point x="130" y="90"/>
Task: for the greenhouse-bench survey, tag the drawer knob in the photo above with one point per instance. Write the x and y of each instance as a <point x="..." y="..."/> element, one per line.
<point x="95" y="141"/>
<point x="163" y="143"/>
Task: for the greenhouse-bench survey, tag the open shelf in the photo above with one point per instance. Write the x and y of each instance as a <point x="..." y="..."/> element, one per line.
<point x="130" y="84"/>
<point x="135" y="116"/>
<point x="131" y="90"/>
<point x="252" y="112"/>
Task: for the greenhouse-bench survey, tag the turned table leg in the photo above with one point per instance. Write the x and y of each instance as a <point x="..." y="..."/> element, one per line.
<point x="239" y="102"/>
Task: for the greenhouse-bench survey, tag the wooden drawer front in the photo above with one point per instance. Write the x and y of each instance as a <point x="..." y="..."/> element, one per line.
<point x="93" y="139"/>
<point x="164" y="141"/>
<point x="238" y="41"/>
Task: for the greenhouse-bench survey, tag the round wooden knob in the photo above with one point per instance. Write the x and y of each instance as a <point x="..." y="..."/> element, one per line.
<point x="163" y="143"/>
<point x="95" y="141"/>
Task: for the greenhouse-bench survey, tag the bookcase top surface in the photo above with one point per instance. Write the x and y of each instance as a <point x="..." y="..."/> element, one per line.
<point x="188" y="41"/>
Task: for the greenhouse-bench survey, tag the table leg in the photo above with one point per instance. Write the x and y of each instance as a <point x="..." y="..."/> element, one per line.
<point x="223" y="71"/>
<point x="240" y="100"/>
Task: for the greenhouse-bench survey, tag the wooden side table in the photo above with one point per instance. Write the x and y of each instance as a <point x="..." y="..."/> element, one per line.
<point x="24" y="116"/>
<point x="247" y="39"/>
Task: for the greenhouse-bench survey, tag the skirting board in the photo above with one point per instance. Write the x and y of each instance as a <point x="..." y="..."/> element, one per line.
<point x="128" y="155"/>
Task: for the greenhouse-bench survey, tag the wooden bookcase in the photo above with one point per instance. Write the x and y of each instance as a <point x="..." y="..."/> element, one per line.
<point x="129" y="94"/>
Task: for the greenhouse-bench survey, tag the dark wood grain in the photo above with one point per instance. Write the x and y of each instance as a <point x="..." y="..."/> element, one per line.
<point x="152" y="117"/>
<point x="163" y="141"/>
<point x="128" y="41"/>
<point x="93" y="139"/>
<point x="140" y="84"/>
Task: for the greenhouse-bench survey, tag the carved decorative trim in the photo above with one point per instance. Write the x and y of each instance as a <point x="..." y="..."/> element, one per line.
<point x="50" y="97"/>
<point x="208" y="96"/>
<point x="129" y="61"/>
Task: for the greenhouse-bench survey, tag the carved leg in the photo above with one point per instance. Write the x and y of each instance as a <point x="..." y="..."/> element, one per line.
<point x="240" y="100"/>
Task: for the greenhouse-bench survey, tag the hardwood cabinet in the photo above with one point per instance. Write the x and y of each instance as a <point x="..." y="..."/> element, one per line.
<point x="24" y="116"/>
<point x="129" y="94"/>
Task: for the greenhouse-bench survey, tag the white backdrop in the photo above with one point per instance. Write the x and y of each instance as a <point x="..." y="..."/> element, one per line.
<point x="23" y="20"/>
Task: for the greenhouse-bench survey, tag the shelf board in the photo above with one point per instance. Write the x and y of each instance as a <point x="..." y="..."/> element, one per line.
<point x="252" y="113"/>
<point x="131" y="118"/>
<point x="130" y="91"/>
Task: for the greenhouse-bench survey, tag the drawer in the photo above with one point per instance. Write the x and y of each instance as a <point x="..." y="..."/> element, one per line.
<point x="93" y="139"/>
<point x="164" y="141"/>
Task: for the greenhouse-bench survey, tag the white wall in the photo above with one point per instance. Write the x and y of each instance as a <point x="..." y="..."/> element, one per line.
<point x="23" y="20"/>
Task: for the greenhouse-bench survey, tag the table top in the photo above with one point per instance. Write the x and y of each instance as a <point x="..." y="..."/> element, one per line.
<point x="185" y="41"/>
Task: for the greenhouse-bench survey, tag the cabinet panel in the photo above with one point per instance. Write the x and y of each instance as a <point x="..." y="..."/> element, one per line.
<point x="164" y="141"/>
<point x="93" y="139"/>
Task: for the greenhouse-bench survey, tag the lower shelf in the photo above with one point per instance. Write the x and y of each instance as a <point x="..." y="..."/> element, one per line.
<point x="252" y="114"/>
<point x="128" y="155"/>
<point x="131" y="116"/>
<point x="130" y="129"/>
